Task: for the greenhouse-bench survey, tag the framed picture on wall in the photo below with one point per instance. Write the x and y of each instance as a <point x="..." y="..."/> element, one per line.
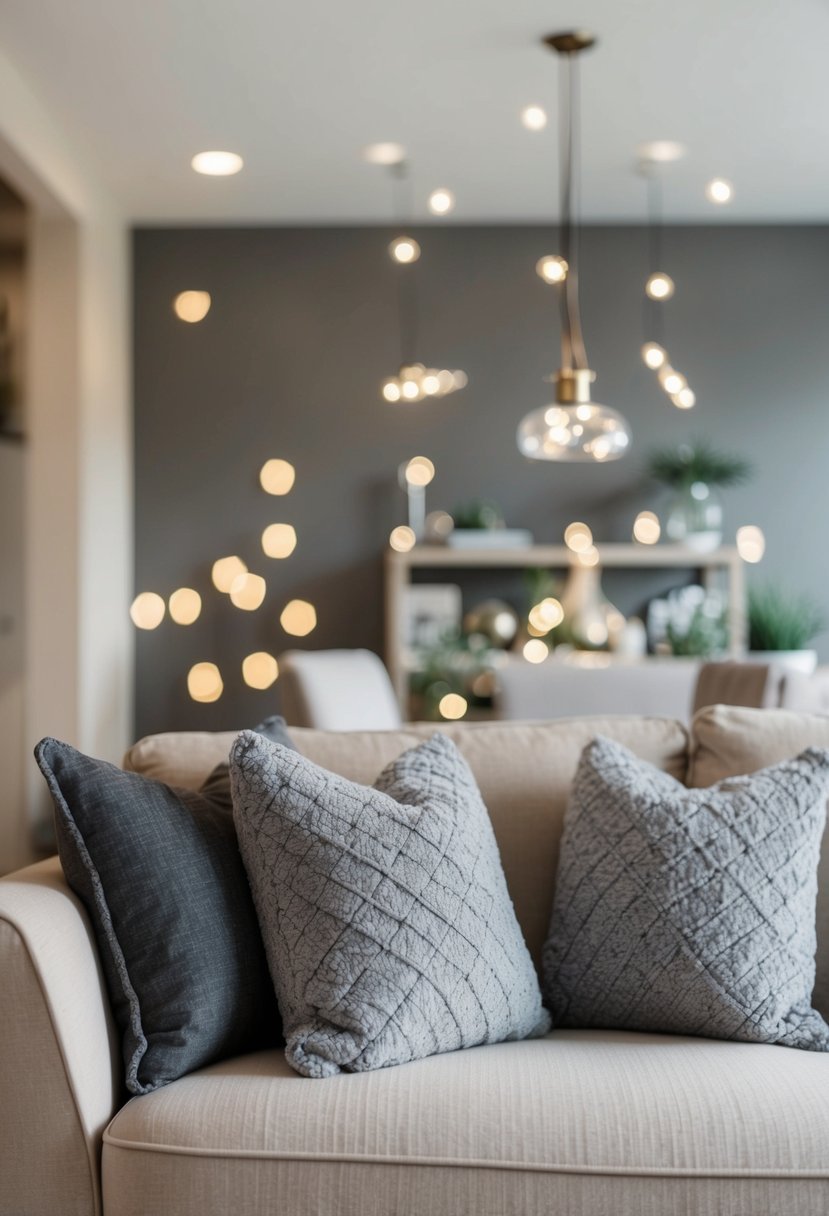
<point x="430" y="611"/>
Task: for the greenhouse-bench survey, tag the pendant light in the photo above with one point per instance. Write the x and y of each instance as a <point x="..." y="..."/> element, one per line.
<point x="572" y="428"/>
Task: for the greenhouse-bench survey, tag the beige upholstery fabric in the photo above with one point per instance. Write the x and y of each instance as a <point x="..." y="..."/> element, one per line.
<point x="730" y="683"/>
<point x="581" y="1122"/>
<point x="59" y="1059"/>
<point x="524" y="771"/>
<point x="727" y="741"/>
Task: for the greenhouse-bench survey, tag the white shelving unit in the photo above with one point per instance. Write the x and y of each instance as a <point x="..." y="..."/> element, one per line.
<point x="724" y="565"/>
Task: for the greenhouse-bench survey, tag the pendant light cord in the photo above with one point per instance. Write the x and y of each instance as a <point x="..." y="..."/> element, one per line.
<point x="654" y="316"/>
<point x="407" y="304"/>
<point x="573" y="353"/>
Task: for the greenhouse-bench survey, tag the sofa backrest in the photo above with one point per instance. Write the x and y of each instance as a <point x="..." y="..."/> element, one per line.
<point x="727" y="741"/>
<point x="524" y="771"/>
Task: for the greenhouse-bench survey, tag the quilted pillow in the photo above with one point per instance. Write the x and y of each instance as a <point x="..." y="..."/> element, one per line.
<point x="159" y="872"/>
<point x="689" y="911"/>
<point x="389" y="930"/>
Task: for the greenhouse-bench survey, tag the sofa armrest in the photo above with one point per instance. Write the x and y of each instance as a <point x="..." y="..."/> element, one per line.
<point x="59" y="1057"/>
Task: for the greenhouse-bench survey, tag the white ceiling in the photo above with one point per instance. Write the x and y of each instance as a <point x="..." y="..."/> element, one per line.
<point x="298" y="89"/>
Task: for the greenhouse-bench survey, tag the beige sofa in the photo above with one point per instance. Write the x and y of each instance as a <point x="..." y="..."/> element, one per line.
<point x="577" y="1124"/>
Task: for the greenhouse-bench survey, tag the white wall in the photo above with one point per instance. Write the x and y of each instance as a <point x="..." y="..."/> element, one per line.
<point x="78" y="523"/>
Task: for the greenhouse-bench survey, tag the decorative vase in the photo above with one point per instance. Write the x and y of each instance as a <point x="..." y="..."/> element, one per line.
<point x="695" y="518"/>
<point x="590" y="621"/>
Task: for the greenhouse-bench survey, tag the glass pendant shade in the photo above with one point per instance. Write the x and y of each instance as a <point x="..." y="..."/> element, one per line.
<point x="586" y="432"/>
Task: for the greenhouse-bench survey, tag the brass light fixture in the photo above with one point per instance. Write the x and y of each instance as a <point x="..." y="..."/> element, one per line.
<point x="573" y="428"/>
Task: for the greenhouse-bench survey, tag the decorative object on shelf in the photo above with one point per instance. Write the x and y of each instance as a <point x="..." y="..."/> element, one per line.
<point x="495" y="620"/>
<point x="479" y="524"/>
<point x="439" y="525"/>
<point x="659" y="286"/>
<point x="631" y="641"/>
<point x="693" y="472"/>
<point x="454" y="674"/>
<point x="590" y="621"/>
<point x="414" y="476"/>
<point x="573" y="428"/>
<point x="689" y="621"/>
<point x="414" y="381"/>
<point x="431" y="612"/>
<point x="780" y="627"/>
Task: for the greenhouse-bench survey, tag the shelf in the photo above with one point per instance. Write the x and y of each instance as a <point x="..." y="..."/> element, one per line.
<point x="618" y="555"/>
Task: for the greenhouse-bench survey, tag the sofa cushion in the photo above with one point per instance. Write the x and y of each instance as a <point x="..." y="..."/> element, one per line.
<point x="689" y="911"/>
<point x="389" y="930"/>
<point x="588" y="1122"/>
<point x="727" y="741"/>
<point x="159" y="872"/>
<point x="523" y="770"/>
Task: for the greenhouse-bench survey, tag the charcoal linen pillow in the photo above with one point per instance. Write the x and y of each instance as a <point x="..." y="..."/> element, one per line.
<point x="689" y="911"/>
<point x="387" y="922"/>
<point x="159" y="872"/>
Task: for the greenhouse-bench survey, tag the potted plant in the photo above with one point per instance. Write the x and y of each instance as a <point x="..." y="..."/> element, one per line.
<point x="780" y="626"/>
<point x="694" y="472"/>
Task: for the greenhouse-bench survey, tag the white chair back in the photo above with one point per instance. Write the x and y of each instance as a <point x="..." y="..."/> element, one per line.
<point x="337" y="690"/>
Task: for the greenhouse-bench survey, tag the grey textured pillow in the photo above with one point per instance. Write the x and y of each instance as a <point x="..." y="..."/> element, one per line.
<point x="389" y="930"/>
<point x="160" y="874"/>
<point x="689" y="911"/>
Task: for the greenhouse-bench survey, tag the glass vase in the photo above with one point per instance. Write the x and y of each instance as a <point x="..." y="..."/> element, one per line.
<point x="695" y="518"/>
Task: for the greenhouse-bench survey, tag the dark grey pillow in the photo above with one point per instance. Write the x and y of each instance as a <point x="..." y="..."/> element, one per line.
<point x="689" y="911"/>
<point x="385" y="912"/>
<point x="160" y="874"/>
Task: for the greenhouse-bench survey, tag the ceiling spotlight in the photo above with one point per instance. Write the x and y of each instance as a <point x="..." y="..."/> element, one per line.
<point x="660" y="151"/>
<point x="217" y="164"/>
<point x="552" y="268"/>
<point x="660" y="286"/>
<point x="534" y="118"/>
<point x="404" y="249"/>
<point x="441" y="201"/>
<point x="719" y="191"/>
<point x="384" y="153"/>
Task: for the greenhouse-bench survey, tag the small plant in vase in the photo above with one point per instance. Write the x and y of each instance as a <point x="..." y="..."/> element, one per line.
<point x="780" y="627"/>
<point x="694" y="472"/>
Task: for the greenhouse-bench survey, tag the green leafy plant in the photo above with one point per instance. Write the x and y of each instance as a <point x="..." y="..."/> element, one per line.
<point x="480" y="514"/>
<point x="703" y="637"/>
<point x="777" y="621"/>
<point x="682" y="466"/>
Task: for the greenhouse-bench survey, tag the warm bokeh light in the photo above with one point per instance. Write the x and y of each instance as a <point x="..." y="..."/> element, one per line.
<point x="719" y="191"/>
<point x="259" y="670"/>
<point x="439" y="524"/>
<point x="225" y="571"/>
<point x="404" y="249"/>
<point x="402" y="538"/>
<point x="185" y="606"/>
<point x="546" y="616"/>
<point x="751" y="543"/>
<point x="660" y="286"/>
<point x="552" y="268"/>
<point x="589" y="557"/>
<point x="661" y="151"/>
<point x="388" y="153"/>
<point x="419" y="471"/>
<point x="441" y="201"/>
<point x="453" y="706"/>
<point x="277" y="476"/>
<point x="192" y="306"/>
<point x="391" y="390"/>
<point x="673" y="382"/>
<point x="279" y="540"/>
<point x="298" y="618"/>
<point x="204" y="682"/>
<point x="646" y="528"/>
<point x="217" y="164"/>
<point x="578" y="537"/>
<point x="596" y="633"/>
<point x="535" y="650"/>
<point x="654" y="355"/>
<point x="534" y="118"/>
<point x="685" y="399"/>
<point x="147" y="610"/>
<point x="247" y="591"/>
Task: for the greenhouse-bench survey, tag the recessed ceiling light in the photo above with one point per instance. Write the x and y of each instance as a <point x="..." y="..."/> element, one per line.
<point x="384" y="154"/>
<point x="719" y="191"/>
<point x="441" y="201"/>
<point x="534" y="118"/>
<point x="217" y="164"/>
<point x="661" y="151"/>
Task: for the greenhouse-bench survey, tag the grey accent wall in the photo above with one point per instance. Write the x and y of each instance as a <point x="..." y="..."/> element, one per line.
<point x="289" y="362"/>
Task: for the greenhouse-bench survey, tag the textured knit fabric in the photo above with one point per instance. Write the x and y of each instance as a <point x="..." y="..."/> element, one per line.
<point x="389" y="930"/>
<point x="689" y="911"/>
<point x="162" y="880"/>
<point x="579" y="1123"/>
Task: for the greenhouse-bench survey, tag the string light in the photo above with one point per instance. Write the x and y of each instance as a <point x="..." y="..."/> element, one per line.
<point x="204" y="682"/>
<point x="441" y="201"/>
<point x="404" y="249"/>
<point x="402" y="538"/>
<point x="299" y="618"/>
<point x="534" y="118"/>
<point x="535" y="650"/>
<point x="277" y="476"/>
<point x="147" y="610"/>
<point x="225" y="571"/>
<point x="247" y="591"/>
<point x="719" y="191"/>
<point x="647" y="528"/>
<point x="192" y="306"/>
<point x="552" y="268"/>
<point x="578" y="537"/>
<point x="260" y="669"/>
<point x="751" y="543"/>
<point x="654" y="355"/>
<point x="185" y="606"/>
<point x="419" y="471"/>
<point x="414" y="382"/>
<point x="453" y="706"/>
<point x="660" y="286"/>
<point x="279" y="540"/>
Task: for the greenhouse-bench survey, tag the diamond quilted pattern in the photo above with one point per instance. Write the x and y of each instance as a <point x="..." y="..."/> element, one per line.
<point x="689" y="911"/>
<point x="388" y="926"/>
